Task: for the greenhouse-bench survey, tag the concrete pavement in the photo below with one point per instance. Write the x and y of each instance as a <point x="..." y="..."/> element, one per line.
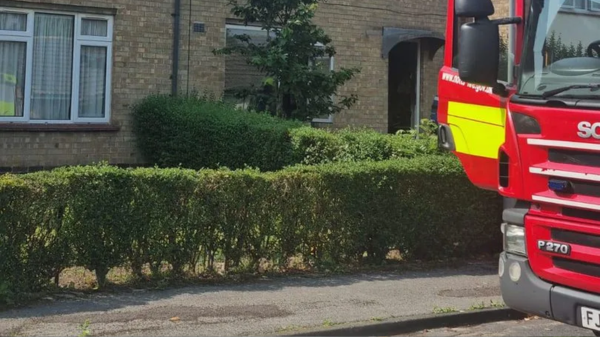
<point x="531" y="327"/>
<point x="271" y="306"/>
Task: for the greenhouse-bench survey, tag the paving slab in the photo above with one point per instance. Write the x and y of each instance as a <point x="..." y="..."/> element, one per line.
<point x="270" y="306"/>
<point x="529" y="327"/>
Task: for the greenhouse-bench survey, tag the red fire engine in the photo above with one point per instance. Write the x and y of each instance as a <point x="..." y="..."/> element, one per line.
<point x="533" y="136"/>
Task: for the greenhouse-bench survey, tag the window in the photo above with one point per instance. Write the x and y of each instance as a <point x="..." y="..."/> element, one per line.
<point x="239" y="75"/>
<point x="54" y="67"/>
<point x="582" y="5"/>
<point x="324" y="64"/>
<point x="575" y="4"/>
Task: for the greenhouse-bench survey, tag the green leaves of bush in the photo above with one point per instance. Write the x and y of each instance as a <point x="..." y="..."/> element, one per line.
<point x="199" y="132"/>
<point x="102" y="217"/>
<point x="315" y="146"/>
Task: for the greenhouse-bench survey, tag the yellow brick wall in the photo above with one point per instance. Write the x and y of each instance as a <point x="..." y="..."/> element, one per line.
<point x="141" y="65"/>
<point x="355" y="27"/>
<point x="142" y="52"/>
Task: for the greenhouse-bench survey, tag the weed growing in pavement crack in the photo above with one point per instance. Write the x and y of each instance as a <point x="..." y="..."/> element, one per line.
<point x="289" y="328"/>
<point x="85" y="329"/>
<point x="493" y="304"/>
<point x="478" y="306"/>
<point x="438" y="310"/>
<point x="327" y="323"/>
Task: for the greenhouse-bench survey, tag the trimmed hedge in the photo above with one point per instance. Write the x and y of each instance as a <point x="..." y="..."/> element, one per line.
<point x="102" y="217"/>
<point x="316" y="146"/>
<point x="199" y="133"/>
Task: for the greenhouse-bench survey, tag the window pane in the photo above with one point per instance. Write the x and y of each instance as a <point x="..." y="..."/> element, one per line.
<point x="239" y="75"/>
<point x="92" y="83"/>
<point x="323" y="64"/>
<point x="52" y="67"/>
<point x="90" y="27"/>
<point x="13" y="22"/>
<point x="12" y="78"/>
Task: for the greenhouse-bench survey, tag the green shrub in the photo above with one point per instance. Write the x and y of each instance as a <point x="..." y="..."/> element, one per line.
<point x="317" y="146"/>
<point x="199" y="133"/>
<point x="102" y="217"/>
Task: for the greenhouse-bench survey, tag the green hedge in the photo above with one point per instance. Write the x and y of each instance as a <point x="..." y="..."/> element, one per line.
<point x="199" y="132"/>
<point x="316" y="146"/>
<point x="102" y="217"/>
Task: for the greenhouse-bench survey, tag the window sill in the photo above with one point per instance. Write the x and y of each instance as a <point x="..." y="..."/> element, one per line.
<point x="15" y="127"/>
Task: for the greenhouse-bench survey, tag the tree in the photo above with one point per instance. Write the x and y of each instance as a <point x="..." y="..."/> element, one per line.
<point x="580" y="52"/>
<point x="294" y="86"/>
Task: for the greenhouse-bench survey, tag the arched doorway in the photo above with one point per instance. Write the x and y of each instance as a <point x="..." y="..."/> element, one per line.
<point x="404" y="48"/>
<point x="404" y="92"/>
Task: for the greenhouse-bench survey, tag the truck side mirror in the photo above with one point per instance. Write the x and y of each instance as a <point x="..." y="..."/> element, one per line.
<point x="474" y="8"/>
<point x="479" y="53"/>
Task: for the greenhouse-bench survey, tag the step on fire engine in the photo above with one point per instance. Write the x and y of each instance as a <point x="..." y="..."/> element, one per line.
<point x="534" y="137"/>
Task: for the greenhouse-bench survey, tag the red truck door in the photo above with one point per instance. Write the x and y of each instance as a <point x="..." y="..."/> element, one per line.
<point x="472" y="118"/>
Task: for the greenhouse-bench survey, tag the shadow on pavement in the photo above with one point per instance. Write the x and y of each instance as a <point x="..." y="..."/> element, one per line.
<point x="104" y="302"/>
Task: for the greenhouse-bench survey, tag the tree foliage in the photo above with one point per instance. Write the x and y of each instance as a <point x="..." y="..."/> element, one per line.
<point x="297" y="83"/>
<point x="557" y="50"/>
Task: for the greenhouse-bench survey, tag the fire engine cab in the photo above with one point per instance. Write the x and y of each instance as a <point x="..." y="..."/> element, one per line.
<point x="534" y="137"/>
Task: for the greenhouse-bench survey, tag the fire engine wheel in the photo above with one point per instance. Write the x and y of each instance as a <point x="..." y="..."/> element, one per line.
<point x="596" y="333"/>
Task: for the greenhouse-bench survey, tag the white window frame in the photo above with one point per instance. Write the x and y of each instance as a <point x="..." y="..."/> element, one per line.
<point x="572" y="6"/>
<point x="588" y="6"/>
<point x="329" y="118"/>
<point x="79" y="41"/>
<point x="242" y="27"/>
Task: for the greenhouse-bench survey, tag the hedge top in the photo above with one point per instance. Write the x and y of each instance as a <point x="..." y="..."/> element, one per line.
<point x="200" y="132"/>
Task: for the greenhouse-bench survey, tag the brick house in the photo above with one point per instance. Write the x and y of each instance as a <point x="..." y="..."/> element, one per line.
<point x="72" y="68"/>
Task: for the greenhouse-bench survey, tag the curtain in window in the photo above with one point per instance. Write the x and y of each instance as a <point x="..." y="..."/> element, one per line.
<point x="13" y="22"/>
<point x="90" y="27"/>
<point x="92" y="83"/>
<point x="52" y="67"/>
<point x="12" y="78"/>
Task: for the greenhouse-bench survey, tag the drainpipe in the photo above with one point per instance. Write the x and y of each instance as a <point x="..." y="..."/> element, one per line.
<point x="176" y="38"/>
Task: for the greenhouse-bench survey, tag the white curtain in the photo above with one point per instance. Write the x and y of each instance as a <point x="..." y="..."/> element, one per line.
<point x="13" y="22"/>
<point x="92" y="82"/>
<point x="52" y="67"/>
<point x="90" y="27"/>
<point x="12" y="78"/>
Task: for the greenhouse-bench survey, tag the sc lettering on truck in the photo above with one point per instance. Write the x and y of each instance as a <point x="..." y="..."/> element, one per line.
<point x="587" y="130"/>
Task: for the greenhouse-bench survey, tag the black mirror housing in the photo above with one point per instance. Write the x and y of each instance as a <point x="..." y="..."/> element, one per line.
<point x="479" y="53"/>
<point x="474" y="8"/>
